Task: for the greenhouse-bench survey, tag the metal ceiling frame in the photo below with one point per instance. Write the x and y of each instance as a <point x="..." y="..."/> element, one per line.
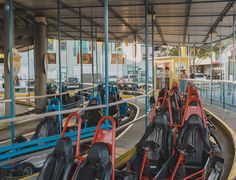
<point x="87" y="18"/>
<point x="121" y="19"/>
<point x="219" y="19"/>
<point x="137" y="4"/>
<point x="186" y="21"/>
<point x="135" y="28"/>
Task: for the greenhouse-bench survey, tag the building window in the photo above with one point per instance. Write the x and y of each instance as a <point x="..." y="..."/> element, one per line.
<point x="50" y="44"/>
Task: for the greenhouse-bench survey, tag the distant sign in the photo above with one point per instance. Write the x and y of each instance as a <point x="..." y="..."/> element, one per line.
<point x="51" y="58"/>
<point x="16" y="61"/>
<point x="87" y="58"/>
<point x="117" y="58"/>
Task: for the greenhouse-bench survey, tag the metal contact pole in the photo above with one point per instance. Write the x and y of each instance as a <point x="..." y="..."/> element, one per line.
<point x="81" y="55"/>
<point x="153" y="80"/>
<point x="96" y="47"/>
<point x="92" y="51"/>
<point x="106" y="54"/>
<point x="12" y="113"/>
<point x="28" y="72"/>
<point x="146" y="62"/>
<point x="211" y="68"/>
<point x="59" y="53"/>
<point x="67" y="60"/>
<point x="233" y="48"/>
<point x="135" y="57"/>
<point x="59" y="41"/>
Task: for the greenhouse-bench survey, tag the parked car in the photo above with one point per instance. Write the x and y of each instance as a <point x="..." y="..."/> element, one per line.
<point x="112" y="79"/>
<point x="199" y="76"/>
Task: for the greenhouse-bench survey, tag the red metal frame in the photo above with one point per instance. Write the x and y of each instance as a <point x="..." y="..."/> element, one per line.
<point x="191" y="110"/>
<point x="145" y="158"/>
<point x="77" y="154"/>
<point x="174" y="84"/>
<point x="107" y="136"/>
<point x="156" y="104"/>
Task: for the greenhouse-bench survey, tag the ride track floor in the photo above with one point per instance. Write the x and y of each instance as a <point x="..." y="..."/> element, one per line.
<point x="227" y="147"/>
<point x="134" y="134"/>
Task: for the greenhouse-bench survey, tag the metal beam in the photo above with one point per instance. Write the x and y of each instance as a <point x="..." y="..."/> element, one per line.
<point x="162" y="25"/>
<point x="187" y="13"/>
<point x="146" y="63"/>
<point x="121" y="19"/>
<point x="135" y="4"/>
<point x="106" y="5"/>
<point x="219" y="19"/>
<point x="160" y="31"/>
<point x="88" y="19"/>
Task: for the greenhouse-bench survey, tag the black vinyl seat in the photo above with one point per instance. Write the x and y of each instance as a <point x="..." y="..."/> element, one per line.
<point x="97" y="164"/>
<point x="92" y="116"/>
<point x="176" y="114"/>
<point x="160" y="135"/>
<point x="58" y="165"/>
<point x="48" y="126"/>
<point x="194" y="134"/>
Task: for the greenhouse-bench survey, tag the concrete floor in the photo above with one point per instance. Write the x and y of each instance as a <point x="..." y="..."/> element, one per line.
<point x="18" y="109"/>
<point x="133" y="135"/>
<point x="131" y="138"/>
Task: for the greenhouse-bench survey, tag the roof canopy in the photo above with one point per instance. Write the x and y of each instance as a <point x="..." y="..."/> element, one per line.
<point x="176" y="21"/>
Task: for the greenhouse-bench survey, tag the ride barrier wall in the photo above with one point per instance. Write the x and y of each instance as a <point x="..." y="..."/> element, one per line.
<point x="232" y="135"/>
<point x="49" y="142"/>
<point x="214" y="92"/>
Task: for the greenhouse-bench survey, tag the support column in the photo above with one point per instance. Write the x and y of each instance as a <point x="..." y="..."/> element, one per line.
<point x="106" y="16"/>
<point x="40" y="86"/>
<point x="7" y="74"/>
<point x="146" y="62"/>
<point x="211" y="69"/>
<point x="233" y="49"/>
<point x="92" y="45"/>
<point x="153" y="41"/>
<point x="81" y="50"/>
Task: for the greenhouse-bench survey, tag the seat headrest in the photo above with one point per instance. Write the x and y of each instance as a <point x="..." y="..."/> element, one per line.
<point x="195" y="120"/>
<point x="64" y="147"/>
<point x="93" y="102"/>
<point x="52" y="118"/>
<point x="99" y="154"/>
<point x="160" y="119"/>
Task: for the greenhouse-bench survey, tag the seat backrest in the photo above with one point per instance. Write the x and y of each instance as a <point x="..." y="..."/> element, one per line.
<point x="158" y="132"/>
<point x="97" y="165"/>
<point x="48" y="126"/>
<point x="176" y="114"/>
<point x="193" y="133"/>
<point x="159" y="135"/>
<point x="58" y="164"/>
<point x="93" y="115"/>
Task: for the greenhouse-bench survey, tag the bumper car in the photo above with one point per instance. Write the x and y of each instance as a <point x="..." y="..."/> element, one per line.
<point x="58" y="165"/>
<point x="100" y="161"/>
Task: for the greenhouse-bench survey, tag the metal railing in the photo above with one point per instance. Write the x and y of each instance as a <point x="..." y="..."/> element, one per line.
<point x="219" y="93"/>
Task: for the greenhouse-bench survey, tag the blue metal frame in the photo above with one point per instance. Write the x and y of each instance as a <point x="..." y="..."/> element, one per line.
<point x="96" y="47"/>
<point x="153" y="79"/>
<point x="92" y="51"/>
<point x="59" y="51"/>
<point x="106" y="55"/>
<point x="11" y="151"/>
<point x="81" y="51"/>
<point x="146" y="62"/>
<point x="211" y="70"/>
<point x="12" y="114"/>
